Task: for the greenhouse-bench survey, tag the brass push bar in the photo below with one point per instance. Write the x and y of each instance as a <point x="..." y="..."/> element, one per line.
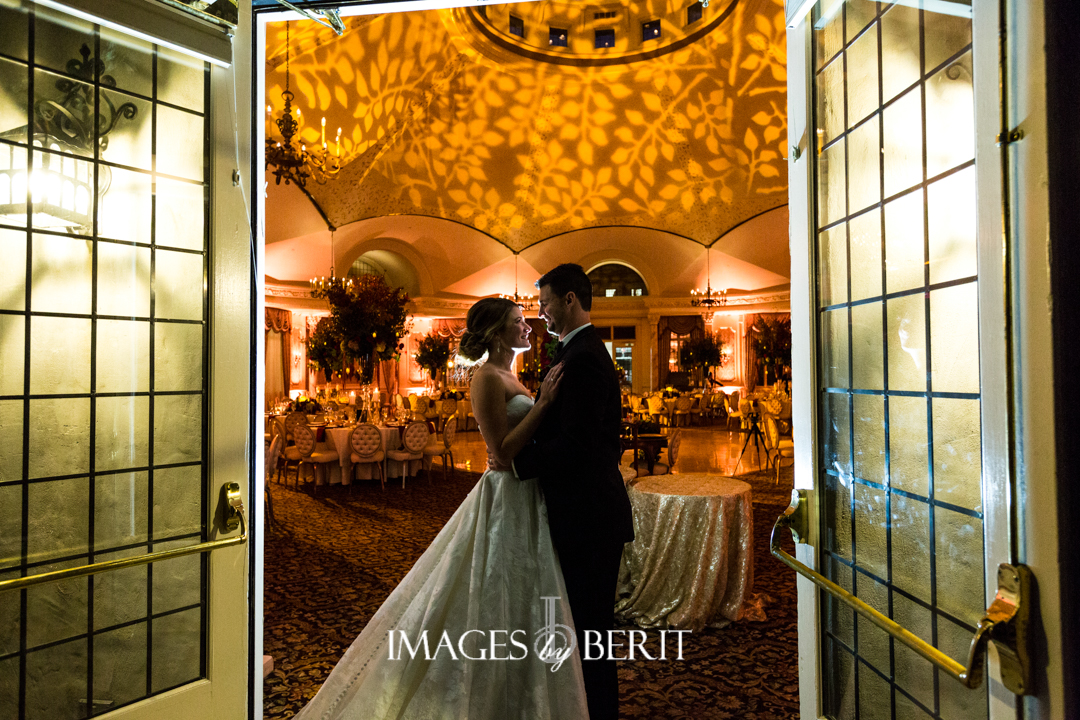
<point x="1005" y="622"/>
<point x="234" y="517"/>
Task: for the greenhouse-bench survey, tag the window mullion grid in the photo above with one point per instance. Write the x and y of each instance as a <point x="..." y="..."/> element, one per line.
<point x="204" y="620"/>
<point x="28" y="282"/>
<point x="150" y="372"/>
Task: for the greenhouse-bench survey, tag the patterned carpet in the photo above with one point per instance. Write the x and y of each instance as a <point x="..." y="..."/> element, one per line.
<point x="332" y="559"/>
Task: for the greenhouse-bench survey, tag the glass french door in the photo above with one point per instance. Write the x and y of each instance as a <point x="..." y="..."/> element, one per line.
<point x="107" y="337"/>
<point x="904" y="399"/>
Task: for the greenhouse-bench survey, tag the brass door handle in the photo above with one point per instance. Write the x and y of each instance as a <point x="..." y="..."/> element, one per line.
<point x="1005" y="621"/>
<point x="233" y="509"/>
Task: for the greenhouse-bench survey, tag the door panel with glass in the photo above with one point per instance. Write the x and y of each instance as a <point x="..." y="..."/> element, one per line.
<point x="105" y="450"/>
<point x="898" y="392"/>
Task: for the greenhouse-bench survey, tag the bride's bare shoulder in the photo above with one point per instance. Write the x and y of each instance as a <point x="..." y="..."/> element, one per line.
<point x="489" y="382"/>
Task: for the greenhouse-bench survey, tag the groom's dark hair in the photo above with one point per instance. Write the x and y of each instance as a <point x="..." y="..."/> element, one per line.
<point x="567" y="278"/>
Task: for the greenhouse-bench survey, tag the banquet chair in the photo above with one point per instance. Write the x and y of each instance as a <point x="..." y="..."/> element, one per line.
<point x="413" y="406"/>
<point x="366" y="445"/>
<point x="414" y="439"/>
<point x="306" y="452"/>
<point x="657" y="410"/>
<point x="628" y="435"/>
<point x="638" y="407"/>
<point x="682" y="410"/>
<point x="444" y="449"/>
<point x="292" y="420"/>
<point x="430" y="409"/>
<point x="734" y="408"/>
<point x="447" y="408"/>
<point x="716" y="407"/>
<point x="272" y="455"/>
<point x="667" y="468"/>
<point x="277" y="430"/>
<point x="465" y="414"/>
<point x="775" y="448"/>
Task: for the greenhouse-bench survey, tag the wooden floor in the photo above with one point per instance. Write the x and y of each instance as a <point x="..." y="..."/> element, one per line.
<point x="704" y="449"/>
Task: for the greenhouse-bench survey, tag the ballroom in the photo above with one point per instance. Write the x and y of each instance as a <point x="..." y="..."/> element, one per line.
<point x="829" y="251"/>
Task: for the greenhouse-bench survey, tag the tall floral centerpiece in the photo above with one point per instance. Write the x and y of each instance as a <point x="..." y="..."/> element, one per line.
<point x="367" y="320"/>
<point x="707" y="353"/>
<point x="432" y="352"/>
<point x="772" y="345"/>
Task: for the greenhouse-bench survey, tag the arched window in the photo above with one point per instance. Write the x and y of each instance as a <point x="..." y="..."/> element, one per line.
<point x="366" y="266"/>
<point x="614" y="280"/>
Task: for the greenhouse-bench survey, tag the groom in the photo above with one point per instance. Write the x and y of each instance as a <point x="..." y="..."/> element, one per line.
<point x="575" y="454"/>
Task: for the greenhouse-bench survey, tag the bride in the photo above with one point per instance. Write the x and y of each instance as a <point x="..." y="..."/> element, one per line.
<point x="491" y="571"/>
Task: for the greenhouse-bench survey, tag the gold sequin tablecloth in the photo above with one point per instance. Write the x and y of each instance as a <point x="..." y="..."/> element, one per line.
<point x="691" y="563"/>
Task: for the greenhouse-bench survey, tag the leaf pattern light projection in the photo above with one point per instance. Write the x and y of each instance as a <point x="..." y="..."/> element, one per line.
<point x="690" y="142"/>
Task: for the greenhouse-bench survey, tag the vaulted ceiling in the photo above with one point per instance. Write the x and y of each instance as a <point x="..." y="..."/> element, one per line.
<point x="445" y="114"/>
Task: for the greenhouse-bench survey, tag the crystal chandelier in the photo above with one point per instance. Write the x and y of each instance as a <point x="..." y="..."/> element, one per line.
<point x="282" y="156"/>
<point x="323" y="286"/>
<point x="707" y="299"/>
<point x="525" y="302"/>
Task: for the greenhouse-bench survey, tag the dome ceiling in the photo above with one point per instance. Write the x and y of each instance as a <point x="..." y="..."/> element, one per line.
<point x="442" y="118"/>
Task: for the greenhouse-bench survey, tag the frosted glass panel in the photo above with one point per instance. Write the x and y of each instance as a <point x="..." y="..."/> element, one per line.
<point x="858" y="14"/>
<point x="913" y="673"/>
<point x="178" y="356"/>
<point x="130" y="142"/>
<point x="957" y="452"/>
<point x="866" y="254"/>
<point x="907" y="343"/>
<point x="911" y="546"/>
<point x="177" y="429"/>
<point x="954" y="338"/>
<point x="12" y="354"/>
<point x="873" y="643"/>
<point x="178" y="286"/>
<point x="957" y="701"/>
<point x="903" y="143"/>
<point x="185" y="133"/>
<point x="899" y="50"/>
<point x="176" y="649"/>
<point x="128" y="60"/>
<point x="11" y="434"/>
<point x="59" y="355"/>
<point x="871" y="549"/>
<point x="951" y="211"/>
<point x="123" y="280"/>
<point x="870" y="437"/>
<point x="59" y="437"/>
<point x="831" y="101"/>
<point x="14" y="78"/>
<point x="122" y="432"/>
<point x="46" y="538"/>
<point x="181" y="80"/>
<point x="832" y="189"/>
<point x="120" y="664"/>
<point x="177" y="501"/>
<point x="56" y="680"/>
<point x="62" y="274"/>
<point x="13" y="35"/>
<point x="125" y="208"/>
<point x="872" y="691"/>
<point x="176" y="581"/>
<point x="905" y="254"/>
<point x="837" y="433"/>
<point x="123" y="356"/>
<point x="862" y="77"/>
<point x="832" y="266"/>
<point x="120" y="509"/>
<point x="866" y="347"/>
<point x="181" y="210"/>
<point x="908" y="444"/>
<point x="864" y="174"/>
<point x="834" y="351"/>
<point x="13" y="269"/>
<point x="838" y="516"/>
<point x="959" y="564"/>
<point x="946" y="36"/>
<point x="829" y="39"/>
<point x="10" y="529"/>
<point x="950" y="125"/>
<point x="57" y="611"/>
<point x="120" y="596"/>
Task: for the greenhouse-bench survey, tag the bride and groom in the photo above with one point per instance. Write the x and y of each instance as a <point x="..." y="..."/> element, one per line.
<point x="535" y="546"/>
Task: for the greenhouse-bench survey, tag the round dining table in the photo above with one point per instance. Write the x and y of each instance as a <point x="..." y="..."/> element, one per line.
<point x="337" y="438"/>
<point x="691" y="563"/>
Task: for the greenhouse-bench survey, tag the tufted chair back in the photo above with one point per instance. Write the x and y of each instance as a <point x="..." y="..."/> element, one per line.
<point x="673" y="448"/>
<point x="448" y="407"/>
<point x="449" y="431"/>
<point x="295" y="418"/>
<point x="365" y="440"/>
<point x="304" y="439"/>
<point x="772" y="433"/>
<point x="415" y="437"/>
<point x="682" y="404"/>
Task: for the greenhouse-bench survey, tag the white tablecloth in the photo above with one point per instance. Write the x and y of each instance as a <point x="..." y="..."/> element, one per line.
<point x="338" y="439"/>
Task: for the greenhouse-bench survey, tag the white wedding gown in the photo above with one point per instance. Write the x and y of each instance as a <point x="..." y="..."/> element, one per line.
<point x="487" y="570"/>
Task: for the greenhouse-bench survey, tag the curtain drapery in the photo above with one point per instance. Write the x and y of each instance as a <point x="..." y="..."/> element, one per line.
<point x="278" y="324"/>
<point x="275" y="370"/>
<point x="692" y="325"/>
<point x="448" y="327"/>
<point x="278" y="320"/>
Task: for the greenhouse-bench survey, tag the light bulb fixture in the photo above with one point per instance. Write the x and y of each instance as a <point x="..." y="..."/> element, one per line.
<point x="706" y="299"/>
<point x="282" y="156"/>
<point x="60" y="183"/>
<point x="525" y="302"/>
<point x="324" y="286"/>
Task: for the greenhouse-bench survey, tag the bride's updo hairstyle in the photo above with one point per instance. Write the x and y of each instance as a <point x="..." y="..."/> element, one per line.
<point x="486" y="319"/>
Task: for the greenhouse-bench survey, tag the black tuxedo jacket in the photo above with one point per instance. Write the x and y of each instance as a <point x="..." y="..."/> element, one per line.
<point x="575" y="451"/>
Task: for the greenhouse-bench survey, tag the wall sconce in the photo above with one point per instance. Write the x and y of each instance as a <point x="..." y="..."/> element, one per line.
<point x="60" y="187"/>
